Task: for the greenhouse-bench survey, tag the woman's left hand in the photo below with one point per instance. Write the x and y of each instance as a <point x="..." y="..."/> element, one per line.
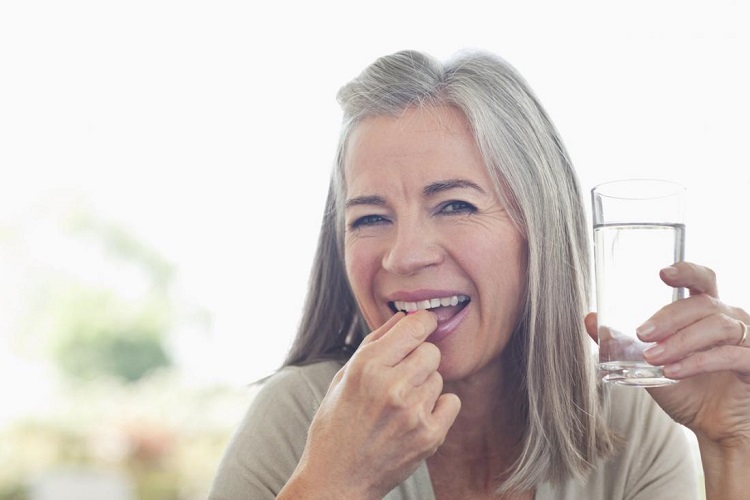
<point x="701" y="342"/>
<point x="705" y="345"/>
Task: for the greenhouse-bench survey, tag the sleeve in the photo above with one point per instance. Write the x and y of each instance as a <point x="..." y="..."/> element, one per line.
<point x="266" y="447"/>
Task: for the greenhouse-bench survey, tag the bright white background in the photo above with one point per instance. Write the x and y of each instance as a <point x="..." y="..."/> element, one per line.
<point x="208" y="128"/>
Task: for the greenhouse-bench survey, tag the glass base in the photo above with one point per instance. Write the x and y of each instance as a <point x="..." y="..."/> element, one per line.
<point x="633" y="374"/>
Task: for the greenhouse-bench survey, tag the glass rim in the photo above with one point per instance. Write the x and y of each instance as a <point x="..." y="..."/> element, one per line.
<point x="617" y="189"/>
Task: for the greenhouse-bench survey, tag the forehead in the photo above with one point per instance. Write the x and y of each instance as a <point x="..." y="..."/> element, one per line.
<point x="428" y="141"/>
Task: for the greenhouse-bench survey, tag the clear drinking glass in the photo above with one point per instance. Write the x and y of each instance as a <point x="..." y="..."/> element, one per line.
<point x="638" y="230"/>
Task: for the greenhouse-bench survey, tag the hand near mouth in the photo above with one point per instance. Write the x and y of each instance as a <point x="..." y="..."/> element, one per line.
<point x="391" y="390"/>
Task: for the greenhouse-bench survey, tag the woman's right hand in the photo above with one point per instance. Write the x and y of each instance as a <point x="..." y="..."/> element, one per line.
<point x="383" y="413"/>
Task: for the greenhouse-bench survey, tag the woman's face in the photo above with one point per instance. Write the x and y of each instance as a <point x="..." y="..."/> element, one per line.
<point x="425" y="228"/>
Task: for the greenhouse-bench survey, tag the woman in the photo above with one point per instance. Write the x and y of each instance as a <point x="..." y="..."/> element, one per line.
<point x="454" y="233"/>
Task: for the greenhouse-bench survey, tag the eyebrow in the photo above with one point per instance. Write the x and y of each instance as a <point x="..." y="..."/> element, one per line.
<point x="428" y="191"/>
<point x="446" y="185"/>
<point x="365" y="200"/>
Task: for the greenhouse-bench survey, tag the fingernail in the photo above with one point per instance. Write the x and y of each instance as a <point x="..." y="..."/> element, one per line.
<point x="670" y="272"/>
<point x="654" y="351"/>
<point x="645" y="330"/>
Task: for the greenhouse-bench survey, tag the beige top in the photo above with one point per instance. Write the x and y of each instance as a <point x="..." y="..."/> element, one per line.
<point x="655" y="462"/>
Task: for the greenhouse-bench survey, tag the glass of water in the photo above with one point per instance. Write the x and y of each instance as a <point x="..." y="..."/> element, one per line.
<point x="638" y="230"/>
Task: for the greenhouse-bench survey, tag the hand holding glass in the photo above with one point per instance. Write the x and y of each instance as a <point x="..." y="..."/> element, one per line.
<point x="638" y="230"/>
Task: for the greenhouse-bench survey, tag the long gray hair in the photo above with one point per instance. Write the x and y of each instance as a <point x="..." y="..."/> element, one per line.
<point x="525" y="157"/>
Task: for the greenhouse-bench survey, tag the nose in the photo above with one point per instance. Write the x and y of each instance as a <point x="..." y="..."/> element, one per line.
<point x="413" y="247"/>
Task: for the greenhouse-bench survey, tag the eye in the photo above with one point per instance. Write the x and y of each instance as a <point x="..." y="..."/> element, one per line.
<point x="367" y="221"/>
<point x="457" y="207"/>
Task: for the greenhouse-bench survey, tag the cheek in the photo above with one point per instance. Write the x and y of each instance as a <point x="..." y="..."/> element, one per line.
<point x="501" y="268"/>
<point x="359" y="269"/>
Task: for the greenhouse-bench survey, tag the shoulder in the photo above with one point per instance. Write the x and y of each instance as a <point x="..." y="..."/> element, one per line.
<point x="629" y="407"/>
<point x="653" y="457"/>
<point x="298" y="382"/>
<point x="642" y="426"/>
<point x="267" y="445"/>
<point x="654" y="453"/>
<point x="654" y="450"/>
<point x="292" y="394"/>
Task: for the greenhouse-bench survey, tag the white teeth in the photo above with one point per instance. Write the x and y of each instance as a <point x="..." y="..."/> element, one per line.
<point x="430" y="304"/>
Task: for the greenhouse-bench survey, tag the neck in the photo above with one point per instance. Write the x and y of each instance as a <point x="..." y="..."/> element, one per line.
<point x="486" y="438"/>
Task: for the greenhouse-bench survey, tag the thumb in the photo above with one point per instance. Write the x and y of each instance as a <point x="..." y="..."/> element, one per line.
<point x="591" y="324"/>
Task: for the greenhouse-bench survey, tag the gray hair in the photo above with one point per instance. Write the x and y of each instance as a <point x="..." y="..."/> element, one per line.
<point x="525" y="157"/>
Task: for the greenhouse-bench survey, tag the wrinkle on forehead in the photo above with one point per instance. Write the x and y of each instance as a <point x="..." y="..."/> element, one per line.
<point x="410" y="134"/>
<point x="388" y="140"/>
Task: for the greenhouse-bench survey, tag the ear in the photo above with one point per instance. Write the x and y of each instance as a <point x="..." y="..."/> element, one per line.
<point x="591" y="327"/>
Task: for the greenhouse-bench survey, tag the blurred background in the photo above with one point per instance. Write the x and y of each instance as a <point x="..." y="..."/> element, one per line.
<point x="163" y="167"/>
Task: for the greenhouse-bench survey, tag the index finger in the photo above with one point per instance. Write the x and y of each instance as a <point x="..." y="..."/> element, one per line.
<point x="697" y="279"/>
<point x="408" y="333"/>
<point x="382" y="329"/>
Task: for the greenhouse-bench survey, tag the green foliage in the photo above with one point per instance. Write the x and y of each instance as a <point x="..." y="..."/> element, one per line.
<point x="98" y="298"/>
<point x="98" y="333"/>
<point x="92" y="299"/>
<point x="128" y="355"/>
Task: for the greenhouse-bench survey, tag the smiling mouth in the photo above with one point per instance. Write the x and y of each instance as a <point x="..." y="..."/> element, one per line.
<point x="452" y="301"/>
